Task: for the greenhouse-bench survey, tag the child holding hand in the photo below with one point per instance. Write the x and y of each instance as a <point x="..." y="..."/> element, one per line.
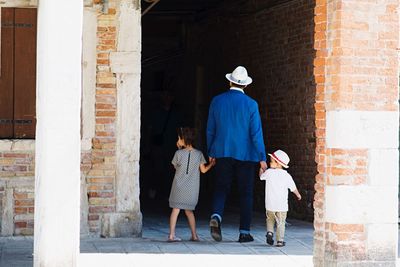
<point x="188" y="163"/>
<point x="277" y="183"/>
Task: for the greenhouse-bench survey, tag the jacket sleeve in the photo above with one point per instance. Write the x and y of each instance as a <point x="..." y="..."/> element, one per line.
<point x="256" y="132"/>
<point x="211" y="128"/>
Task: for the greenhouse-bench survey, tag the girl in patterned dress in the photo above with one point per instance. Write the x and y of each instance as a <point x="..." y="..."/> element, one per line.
<point x="188" y="163"/>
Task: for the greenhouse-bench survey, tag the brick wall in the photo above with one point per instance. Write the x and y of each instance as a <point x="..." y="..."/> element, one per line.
<point x="23" y="211"/>
<point x="17" y="164"/>
<point x="356" y="71"/>
<point x="275" y="44"/>
<point x="101" y="177"/>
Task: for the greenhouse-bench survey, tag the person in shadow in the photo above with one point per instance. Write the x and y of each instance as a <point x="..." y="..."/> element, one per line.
<point x="163" y="124"/>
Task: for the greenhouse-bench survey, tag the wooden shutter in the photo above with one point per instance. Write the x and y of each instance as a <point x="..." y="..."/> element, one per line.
<point x="25" y="73"/>
<point x="7" y="73"/>
<point x="18" y="73"/>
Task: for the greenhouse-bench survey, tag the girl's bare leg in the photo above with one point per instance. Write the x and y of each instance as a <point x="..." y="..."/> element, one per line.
<point x="172" y="222"/>
<point x="192" y="223"/>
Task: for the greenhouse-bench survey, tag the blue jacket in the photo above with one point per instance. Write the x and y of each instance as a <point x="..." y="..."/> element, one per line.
<point x="234" y="128"/>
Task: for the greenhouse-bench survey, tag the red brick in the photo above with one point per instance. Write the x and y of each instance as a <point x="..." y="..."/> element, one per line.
<point x="24" y="203"/>
<point x="101" y="209"/>
<point x="20" y="224"/>
<point x="19" y="210"/>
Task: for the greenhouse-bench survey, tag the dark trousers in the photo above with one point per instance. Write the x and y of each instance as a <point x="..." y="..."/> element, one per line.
<point x="225" y="170"/>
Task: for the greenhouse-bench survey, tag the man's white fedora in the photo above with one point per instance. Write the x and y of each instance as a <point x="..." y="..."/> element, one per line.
<point x="239" y="76"/>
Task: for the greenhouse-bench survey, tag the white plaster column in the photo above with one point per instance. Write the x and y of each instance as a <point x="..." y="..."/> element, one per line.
<point x="57" y="174"/>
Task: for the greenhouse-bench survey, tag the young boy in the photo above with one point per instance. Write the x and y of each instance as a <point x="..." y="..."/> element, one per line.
<point x="277" y="183"/>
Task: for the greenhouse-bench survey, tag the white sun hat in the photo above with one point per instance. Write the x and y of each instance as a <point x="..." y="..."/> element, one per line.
<point x="239" y="76"/>
<point x="281" y="157"/>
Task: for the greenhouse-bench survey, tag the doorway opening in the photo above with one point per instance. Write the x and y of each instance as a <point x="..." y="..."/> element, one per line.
<point x="188" y="47"/>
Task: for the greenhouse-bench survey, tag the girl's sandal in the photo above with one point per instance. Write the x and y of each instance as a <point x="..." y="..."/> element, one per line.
<point x="194" y="239"/>
<point x="174" y="239"/>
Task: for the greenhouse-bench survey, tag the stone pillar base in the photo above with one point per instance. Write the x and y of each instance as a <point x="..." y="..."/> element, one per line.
<point x="121" y="225"/>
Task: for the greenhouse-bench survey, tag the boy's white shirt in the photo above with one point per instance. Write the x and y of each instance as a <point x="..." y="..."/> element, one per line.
<point x="277" y="183"/>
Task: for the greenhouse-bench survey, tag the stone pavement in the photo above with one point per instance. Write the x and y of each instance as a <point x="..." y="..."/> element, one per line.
<point x="153" y="250"/>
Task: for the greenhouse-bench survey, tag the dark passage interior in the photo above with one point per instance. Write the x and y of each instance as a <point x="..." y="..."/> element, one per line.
<point x="187" y="48"/>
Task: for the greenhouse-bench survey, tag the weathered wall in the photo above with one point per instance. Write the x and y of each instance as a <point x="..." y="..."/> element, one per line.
<point x="275" y="44"/>
<point x="100" y="187"/>
<point x="17" y="187"/>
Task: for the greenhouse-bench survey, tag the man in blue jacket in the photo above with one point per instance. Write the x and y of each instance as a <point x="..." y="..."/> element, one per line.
<point x="235" y="141"/>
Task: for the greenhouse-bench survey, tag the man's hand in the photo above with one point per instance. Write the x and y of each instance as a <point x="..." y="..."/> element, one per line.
<point x="212" y="160"/>
<point x="263" y="166"/>
<point x="297" y="193"/>
<point x="260" y="172"/>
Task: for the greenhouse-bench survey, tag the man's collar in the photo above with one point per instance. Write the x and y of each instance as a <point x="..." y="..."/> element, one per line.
<point x="237" y="89"/>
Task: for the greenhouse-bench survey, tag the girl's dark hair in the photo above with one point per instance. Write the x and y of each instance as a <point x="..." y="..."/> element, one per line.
<point x="187" y="134"/>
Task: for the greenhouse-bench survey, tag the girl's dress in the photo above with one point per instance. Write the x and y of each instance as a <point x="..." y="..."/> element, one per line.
<point x="186" y="185"/>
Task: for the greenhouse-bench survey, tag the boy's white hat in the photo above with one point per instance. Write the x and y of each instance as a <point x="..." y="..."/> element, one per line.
<point x="239" y="76"/>
<point x="281" y="157"/>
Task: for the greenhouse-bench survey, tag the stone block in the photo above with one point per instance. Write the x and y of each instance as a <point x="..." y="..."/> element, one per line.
<point x="5" y="145"/>
<point x="350" y="129"/>
<point x="125" y="62"/>
<point x="22" y="182"/>
<point x="89" y="74"/>
<point x="130" y="32"/>
<point x="361" y="204"/>
<point x="127" y="185"/>
<point x="382" y="243"/>
<point x="23" y="145"/>
<point x="86" y="144"/>
<point x="121" y="225"/>
<point x="23" y="217"/>
<point x="7" y="223"/>
<point x="383" y="167"/>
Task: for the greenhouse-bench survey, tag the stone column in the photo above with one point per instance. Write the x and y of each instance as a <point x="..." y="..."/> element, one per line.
<point x="57" y="174"/>
<point x="126" y="64"/>
<point x="357" y="119"/>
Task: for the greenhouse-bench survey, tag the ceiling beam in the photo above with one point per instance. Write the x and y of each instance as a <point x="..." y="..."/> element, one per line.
<point x="150" y="7"/>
